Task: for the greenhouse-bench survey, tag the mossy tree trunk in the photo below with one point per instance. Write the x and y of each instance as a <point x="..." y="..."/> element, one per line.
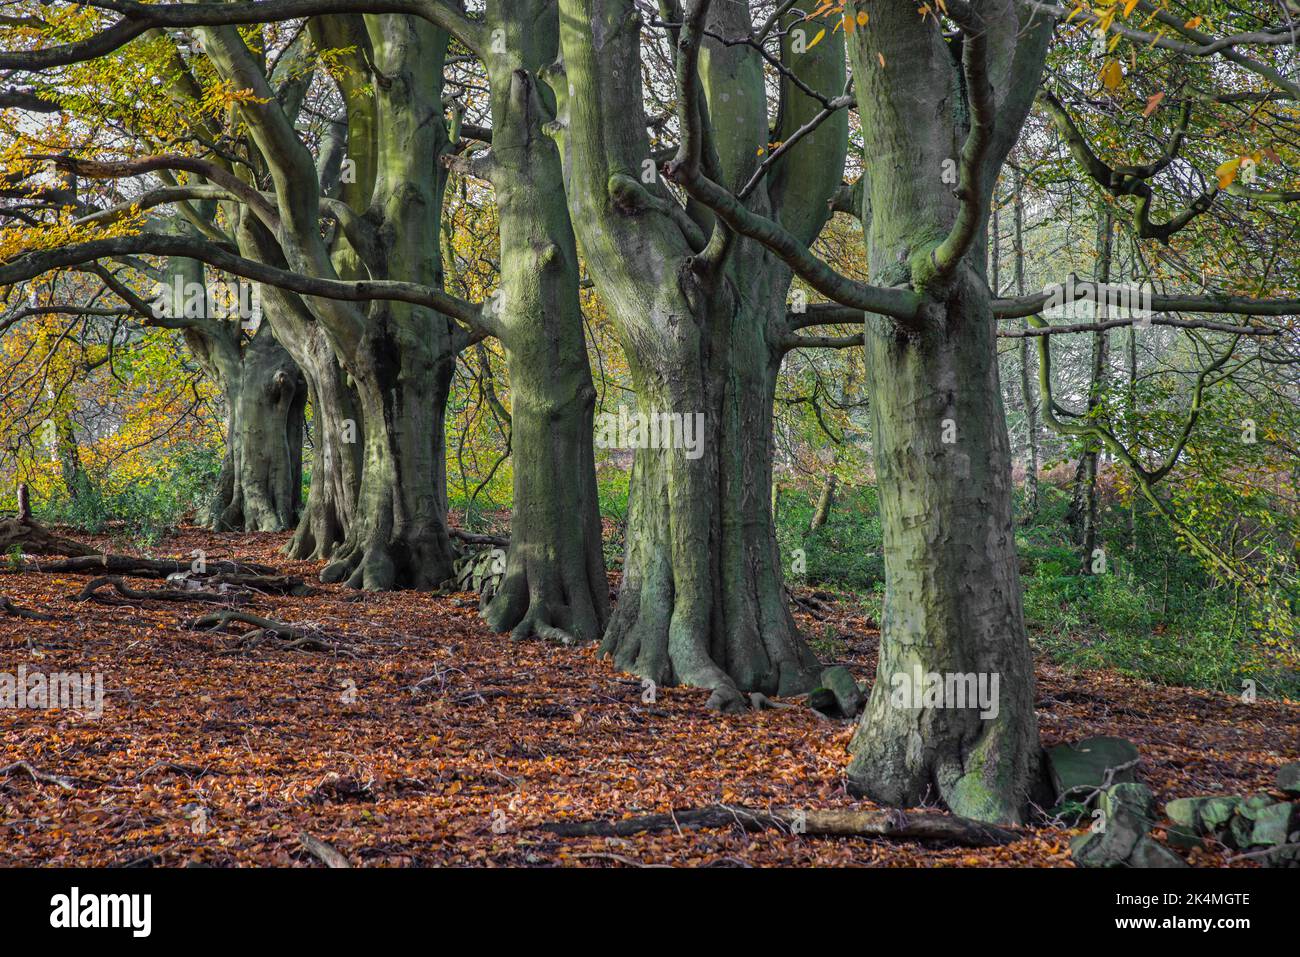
<point x="400" y="356"/>
<point x="702" y="600"/>
<point x="260" y="485"/>
<point x="952" y="591"/>
<point x="553" y="583"/>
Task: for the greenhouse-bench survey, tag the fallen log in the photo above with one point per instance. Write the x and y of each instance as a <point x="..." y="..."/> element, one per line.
<point x="892" y="824"/>
<point x="149" y="567"/>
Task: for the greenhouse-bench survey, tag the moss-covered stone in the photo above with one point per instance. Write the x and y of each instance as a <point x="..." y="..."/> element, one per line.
<point x="1202" y="815"/>
<point x="1288" y="778"/>
<point x="840" y="683"/>
<point x="1091" y="764"/>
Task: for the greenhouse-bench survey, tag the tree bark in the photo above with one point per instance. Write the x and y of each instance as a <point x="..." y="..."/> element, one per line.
<point x="554" y="582"/>
<point x="952" y="589"/>
<point x="1027" y="396"/>
<point x="952" y="586"/>
<point x="702" y="600"/>
<point x="1083" y="503"/>
<point x="400" y="356"/>
<point x="260" y="485"/>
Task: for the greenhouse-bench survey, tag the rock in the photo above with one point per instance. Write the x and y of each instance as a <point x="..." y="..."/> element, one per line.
<point x="1109" y="847"/>
<point x="841" y="684"/>
<point x="824" y="701"/>
<point x="1274" y="824"/>
<point x="1131" y="797"/>
<point x="1202" y="815"/>
<point x="1288" y="778"/>
<point x="1125" y="815"/>
<point x="1287" y="855"/>
<point x="1148" y="852"/>
<point x="1091" y="764"/>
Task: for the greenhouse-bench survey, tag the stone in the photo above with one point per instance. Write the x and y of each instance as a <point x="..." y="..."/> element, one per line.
<point x="1148" y="852"/>
<point x="824" y="701"/>
<point x="1202" y="815"/>
<point x="1125" y="813"/>
<point x="1091" y="764"/>
<point x="1288" y="778"/>
<point x="841" y="684"/>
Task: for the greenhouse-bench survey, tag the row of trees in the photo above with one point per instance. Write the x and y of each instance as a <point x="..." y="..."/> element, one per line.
<point x="694" y="152"/>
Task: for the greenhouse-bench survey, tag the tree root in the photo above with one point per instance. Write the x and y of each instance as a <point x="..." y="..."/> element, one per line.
<point x="36" y="774"/>
<point x="247" y="575"/>
<point x="892" y="824"/>
<point x="32" y="537"/>
<point x="285" y="637"/>
<point x="9" y="608"/>
<point x="472" y="538"/>
<point x="325" y="853"/>
<point x="92" y="592"/>
<point x="811" y="604"/>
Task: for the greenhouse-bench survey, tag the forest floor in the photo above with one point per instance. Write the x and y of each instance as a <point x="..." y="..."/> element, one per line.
<point x="457" y="743"/>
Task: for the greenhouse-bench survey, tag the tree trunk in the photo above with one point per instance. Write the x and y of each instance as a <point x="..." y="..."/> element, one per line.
<point x="260" y="485"/>
<point x="336" y="471"/>
<point x="1027" y="396"/>
<point x="403" y="363"/>
<point x="952" y="584"/>
<point x="942" y="456"/>
<point x="399" y="538"/>
<point x="1083" y="504"/>
<point x="554" y="581"/>
<point x="266" y="439"/>
<point x="703" y="601"/>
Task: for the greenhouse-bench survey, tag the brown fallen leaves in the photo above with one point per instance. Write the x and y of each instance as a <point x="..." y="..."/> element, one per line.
<point x="434" y="741"/>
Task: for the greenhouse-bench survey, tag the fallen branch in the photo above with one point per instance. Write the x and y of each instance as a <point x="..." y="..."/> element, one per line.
<point x="893" y="824"/>
<point x="36" y="774"/>
<point x="9" y="608"/>
<point x="323" y="852"/>
<point x="92" y="592"/>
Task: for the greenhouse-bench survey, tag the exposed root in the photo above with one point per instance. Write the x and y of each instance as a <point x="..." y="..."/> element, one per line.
<point x="9" y="608"/>
<point x="32" y="537"/>
<point x="325" y="853"/>
<point x="473" y="538"/>
<point x="281" y="636"/>
<point x="94" y="592"/>
<point x="36" y="774"/>
<point x="892" y="824"/>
